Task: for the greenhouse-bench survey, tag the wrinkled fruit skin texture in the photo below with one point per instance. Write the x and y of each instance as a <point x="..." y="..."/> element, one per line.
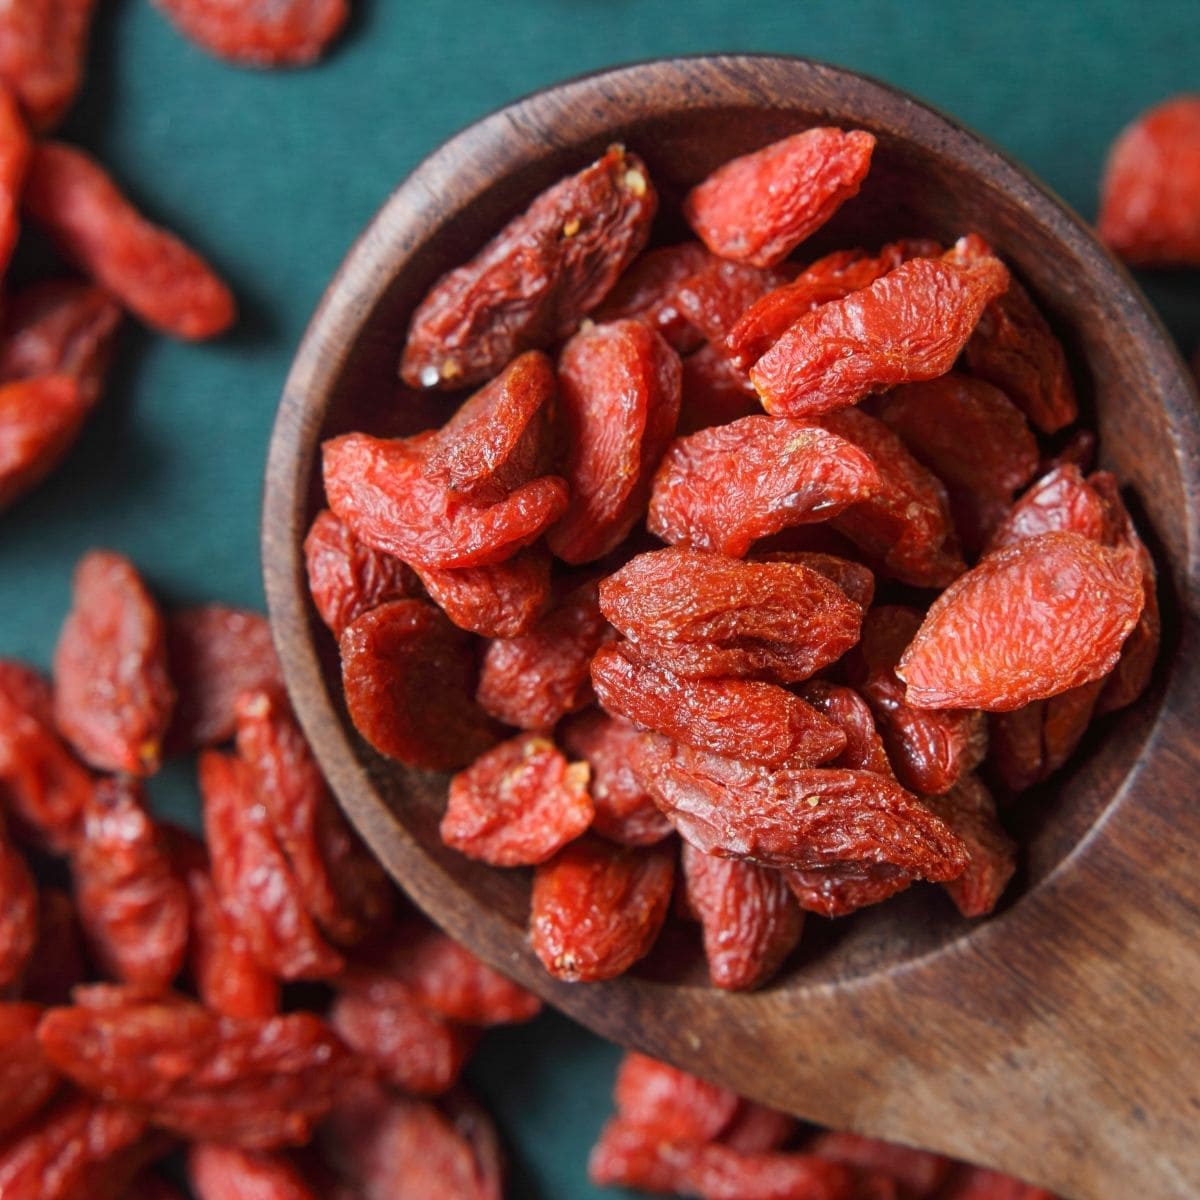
<point x="42" y="47"/>
<point x="39" y="421"/>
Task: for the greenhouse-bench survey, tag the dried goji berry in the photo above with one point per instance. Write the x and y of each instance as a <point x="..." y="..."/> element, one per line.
<point x="1030" y="621"/>
<point x="497" y="440"/>
<point x="60" y="327"/>
<point x="534" y="280"/>
<point x="849" y="711"/>
<point x="225" y="973"/>
<point x="619" y="392"/>
<point x="501" y="601"/>
<point x="928" y="750"/>
<point x="978" y="1183"/>
<point x="258" y="1084"/>
<point x="631" y="1156"/>
<point x="18" y="914"/>
<point x="904" y="525"/>
<point x="919" y="1172"/>
<point x="39" y="421"/>
<point x="721" y="488"/>
<point x="411" y="1048"/>
<point x="253" y="878"/>
<point x="973" y="438"/>
<point x="669" y="1103"/>
<point x="857" y="581"/>
<point x="714" y="391"/>
<point x="214" y="652"/>
<point x="830" y="278"/>
<point x="82" y="1149"/>
<point x="42" y="47"/>
<point x="624" y="812"/>
<point x="757" y="1129"/>
<point x="260" y="33"/>
<point x="718" y="292"/>
<point x="409" y="681"/>
<point x="597" y="908"/>
<point x="1014" y="347"/>
<point x="27" y="690"/>
<point x="1059" y="501"/>
<point x="910" y="324"/>
<point x="149" y="270"/>
<point x="843" y="888"/>
<point x="534" y="680"/>
<point x="1030" y="743"/>
<point x="342" y="887"/>
<point x="1079" y="449"/>
<point x="442" y="976"/>
<point x="699" y="614"/>
<point x="1149" y="210"/>
<point x="27" y="1081"/>
<point x="795" y="817"/>
<point x="132" y="905"/>
<point x="968" y="809"/>
<point x="518" y="804"/>
<point x="346" y="578"/>
<point x="750" y="919"/>
<point x="759" y="207"/>
<point x="762" y="722"/>
<point x="646" y="292"/>
<point x="112" y="694"/>
<point x="57" y="962"/>
<point x="16" y="152"/>
<point x="379" y="489"/>
<point x="218" y="1172"/>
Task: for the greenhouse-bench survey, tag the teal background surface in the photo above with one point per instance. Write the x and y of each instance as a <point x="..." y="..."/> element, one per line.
<point x="272" y="175"/>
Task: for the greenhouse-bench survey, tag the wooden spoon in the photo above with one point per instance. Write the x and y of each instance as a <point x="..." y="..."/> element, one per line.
<point x="1058" y="1040"/>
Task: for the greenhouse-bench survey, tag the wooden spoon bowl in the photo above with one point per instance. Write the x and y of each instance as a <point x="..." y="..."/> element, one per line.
<point x="1057" y="1040"/>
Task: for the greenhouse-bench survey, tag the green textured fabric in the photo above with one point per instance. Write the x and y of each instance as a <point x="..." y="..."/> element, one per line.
<point x="272" y="175"/>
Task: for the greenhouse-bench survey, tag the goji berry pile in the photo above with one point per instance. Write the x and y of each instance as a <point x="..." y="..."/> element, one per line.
<point x="798" y="561"/>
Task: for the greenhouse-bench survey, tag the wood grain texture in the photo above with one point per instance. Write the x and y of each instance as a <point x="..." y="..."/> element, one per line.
<point x="1057" y="1040"/>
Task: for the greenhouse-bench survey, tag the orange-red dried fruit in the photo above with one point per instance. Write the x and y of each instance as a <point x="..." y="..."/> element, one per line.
<point x="849" y="711"/>
<point x="113" y="697"/>
<point x="762" y="722"/>
<point x="968" y="809"/>
<point x="149" y="270"/>
<point x="928" y="750"/>
<point x="518" y="804"/>
<point x="500" y="601"/>
<point x="857" y="581"/>
<point x="699" y="614"/>
<point x="411" y="1048"/>
<point x="1030" y="621"/>
<point x="619" y="392"/>
<point x="260" y="33"/>
<point x="534" y="680"/>
<point x="27" y="1081"/>
<point x="1014" y="348"/>
<point x="973" y="438"/>
<point x="497" y="440"/>
<point x="421" y="963"/>
<point x="226" y="975"/>
<point x="1150" y="196"/>
<point x="830" y="278"/>
<point x="714" y="391"/>
<point x="215" y="652"/>
<point x="718" y="292"/>
<point x="795" y="817"/>
<point x="341" y="886"/>
<point x="751" y="921"/>
<point x="1030" y="743"/>
<point x="42" y="47"/>
<point x="379" y="489"/>
<point x="16" y="152"/>
<point x="57" y="962"/>
<point x="919" y="1172"/>
<point x="1060" y="501"/>
<point x="27" y="690"/>
<point x="669" y="1103"/>
<point x="631" y="1156"/>
<point x="1079" y="449"/>
<point x="257" y="1084"/>
<point x="978" y="1183"/>
<point x="647" y="292"/>
<point x="843" y="888"/>
<point x="904" y="525"/>
<point x="597" y="908"/>
<point x="722" y="488"/>
<point x="218" y="1172"/>
<point x="60" y="327"/>
<point x="757" y="208"/>
<point x="757" y="1129"/>
<point x="82" y="1149"/>
<point x="132" y="905"/>
<point x="534" y="280"/>
<point x="39" y="421"/>
<point x="624" y="812"/>
<point x="253" y="878"/>
<point x="18" y="914"/>
<point x="409" y="680"/>
<point x="346" y="578"/>
<point x="910" y="324"/>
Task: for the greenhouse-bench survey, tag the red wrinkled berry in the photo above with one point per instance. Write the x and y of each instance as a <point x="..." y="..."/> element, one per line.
<point x="646" y="292"/>
<point x="39" y="421"/>
<point x="42" y="49"/>
<point x="218" y="1172"/>
<point x="260" y="33"/>
<point x="669" y="1102"/>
